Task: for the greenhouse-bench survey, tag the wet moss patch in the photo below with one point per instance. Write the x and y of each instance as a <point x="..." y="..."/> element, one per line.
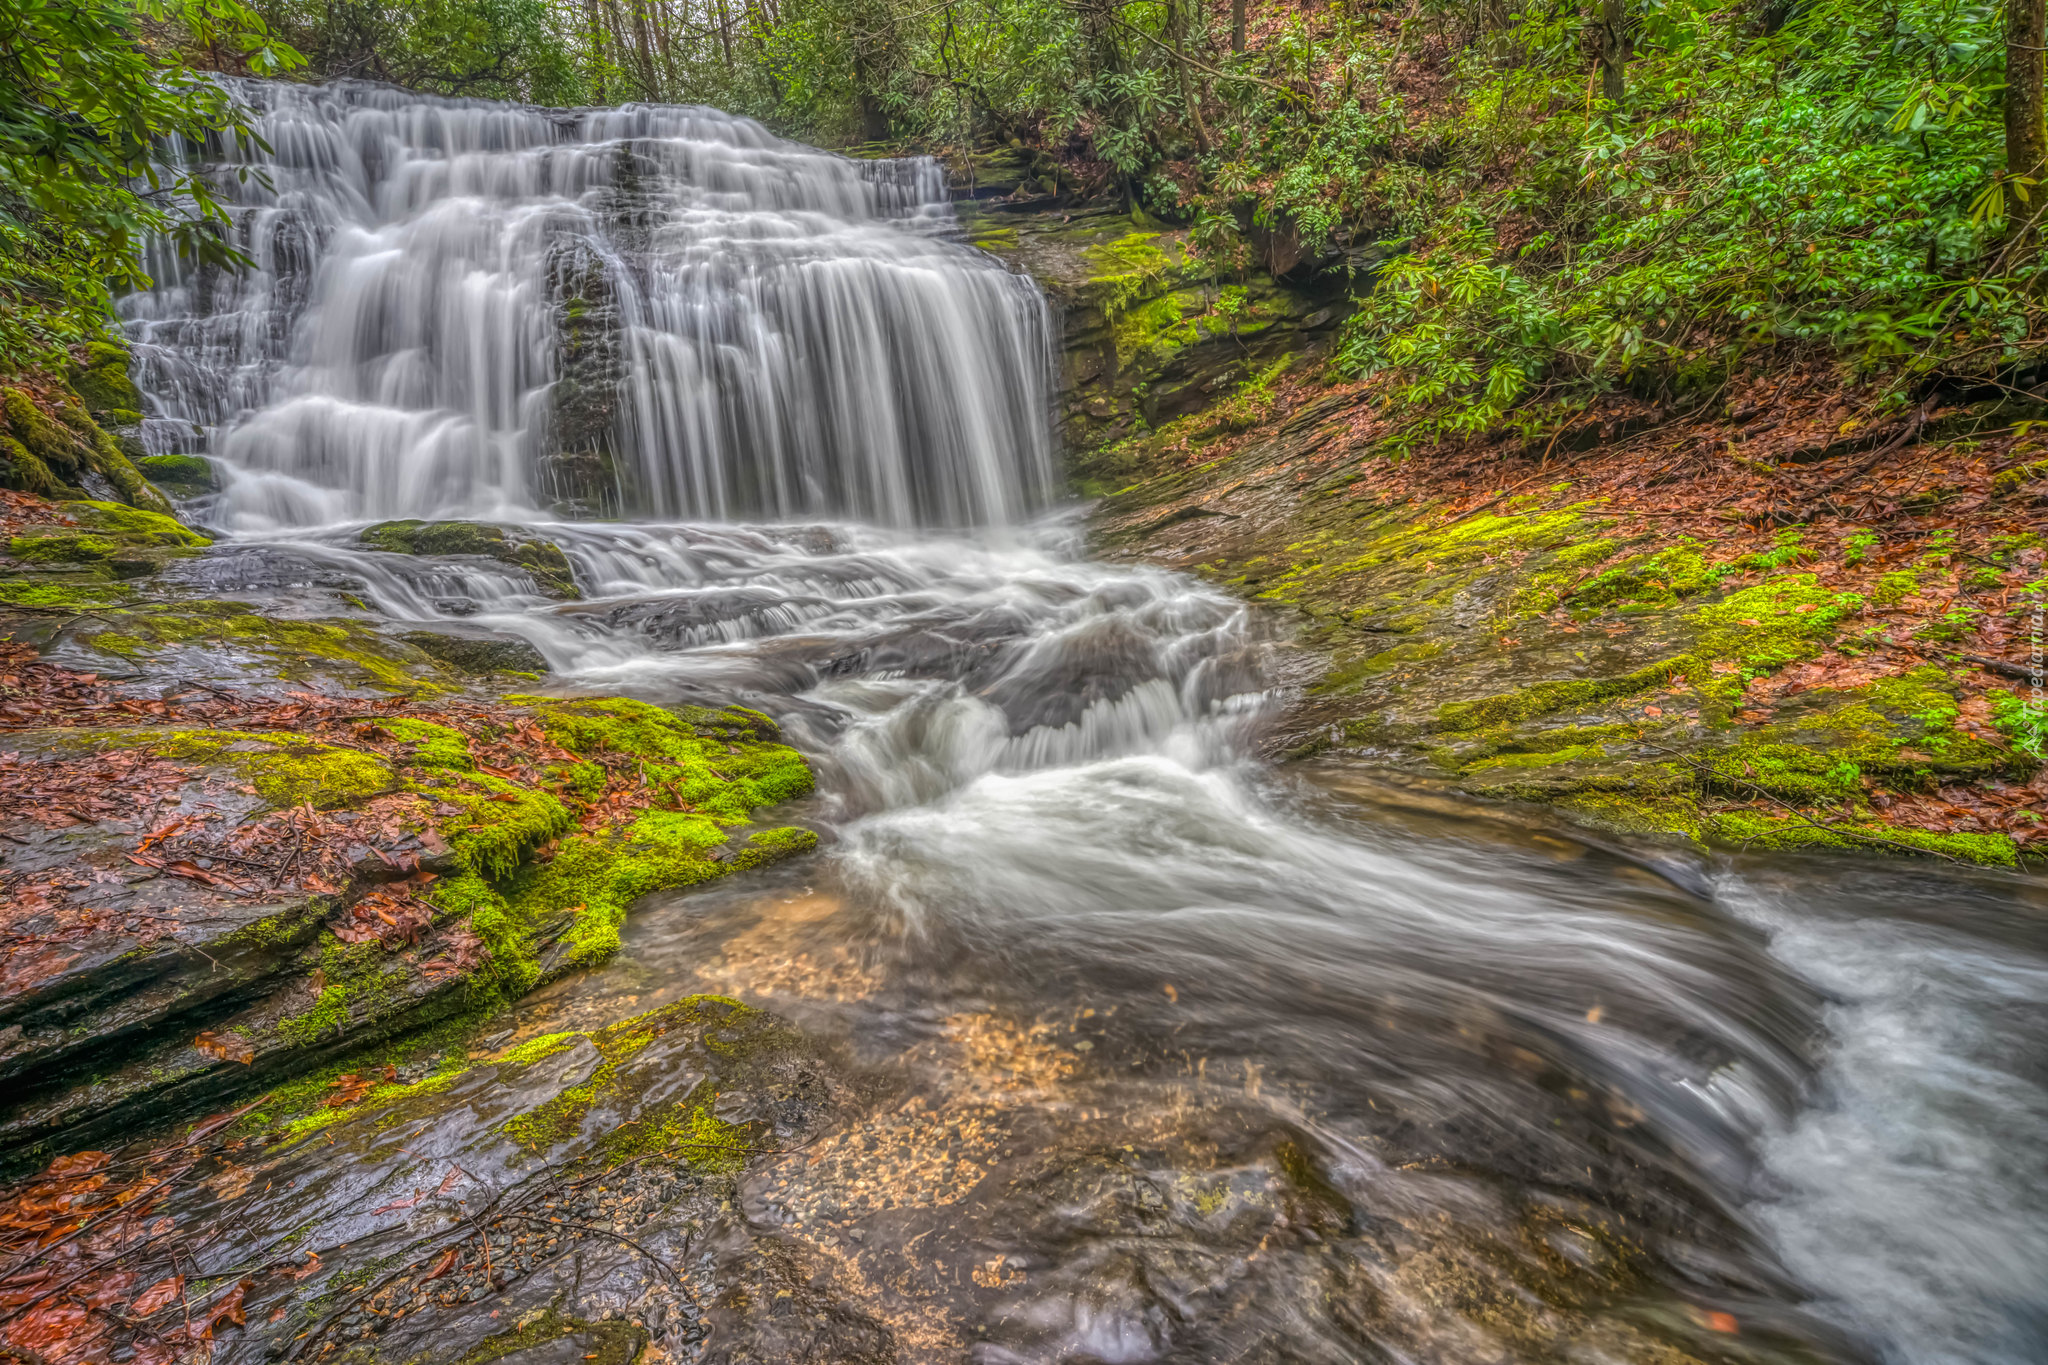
<point x="543" y="559"/>
<point x="687" y="1128"/>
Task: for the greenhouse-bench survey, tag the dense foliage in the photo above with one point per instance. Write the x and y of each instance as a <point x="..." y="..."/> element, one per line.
<point x="91" y="92"/>
<point x="1550" y="201"/>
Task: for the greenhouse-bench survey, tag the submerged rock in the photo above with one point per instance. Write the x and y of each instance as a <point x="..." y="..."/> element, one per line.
<point x="541" y="558"/>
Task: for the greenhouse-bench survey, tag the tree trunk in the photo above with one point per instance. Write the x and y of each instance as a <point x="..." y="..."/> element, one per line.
<point x="2026" y="137"/>
<point x="1613" y="50"/>
<point x="1190" y="93"/>
<point x="1237" y="25"/>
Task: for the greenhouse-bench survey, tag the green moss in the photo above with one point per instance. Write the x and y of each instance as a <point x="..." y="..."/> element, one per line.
<point x="104" y="453"/>
<point x="73" y="596"/>
<point x="2022" y="721"/>
<point x="327" y="1017"/>
<point x="1586" y="555"/>
<point x="1894" y="588"/>
<point x="1774" y="623"/>
<point x="541" y="558"/>
<point x="44" y="438"/>
<point x="1754" y="831"/>
<point x="539" y="1048"/>
<point x="21" y="469"/>
<point x="185" y="475"/>
<point x="284" y="769"/>
<point x="1789" y="549"/>
<point x="1547" y="698"/>
<point x="135" y="525"/>
<point x="689" y="1128"/>
<point x="103" y="383"/>
<point x="1791" y="772"/>
<point x="500" y="820"/>
<point x="1573" y="754"/>
<point x="292" y="645"/>
<point x="1630" y="813"/>
<point x="60" y="547"/>
<point x="1655" y="580"/>
<point x="2012" y="480"/>
<point x="433" y="745"/>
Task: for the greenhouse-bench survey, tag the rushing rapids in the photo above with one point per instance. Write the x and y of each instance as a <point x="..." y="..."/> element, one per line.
<point x="1214" y="1062"/>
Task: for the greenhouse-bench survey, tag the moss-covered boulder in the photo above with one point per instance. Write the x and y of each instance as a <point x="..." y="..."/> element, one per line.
<point x="232" y="643"/>
<point x="184" y="476"/>
<point x="101" y="381"/>
<point x="541" y="558"/>
<point x="346" y="886"/>
<point x="67" y="553"/>
<point x="62" y="446"/>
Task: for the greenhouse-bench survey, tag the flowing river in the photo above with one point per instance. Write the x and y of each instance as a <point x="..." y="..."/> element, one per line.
<point x="1191" y="1058"/>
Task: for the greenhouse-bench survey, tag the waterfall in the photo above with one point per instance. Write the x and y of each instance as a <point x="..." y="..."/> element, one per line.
<point x="465" y="308"/>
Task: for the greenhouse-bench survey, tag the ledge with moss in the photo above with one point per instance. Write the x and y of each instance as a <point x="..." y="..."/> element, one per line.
<point x="1148" y="333"/>
<point x="542" y="559"/>
<point x="514" y="880"/>
<point x="56" y="447"/>
<point x="1545" y="649"/>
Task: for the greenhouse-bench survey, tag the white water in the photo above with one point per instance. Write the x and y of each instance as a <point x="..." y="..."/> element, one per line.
<point x="1038" y="765"/>
<point x="794" y="339"/>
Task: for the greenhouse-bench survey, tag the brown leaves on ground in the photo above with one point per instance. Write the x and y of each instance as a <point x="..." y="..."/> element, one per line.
<point x="1792" y="449"/>
<point x="391" y="915"/>
<point x="70" y="1273"/>
<point x="350" y="1089"/>
<point x="229" y="1047"/>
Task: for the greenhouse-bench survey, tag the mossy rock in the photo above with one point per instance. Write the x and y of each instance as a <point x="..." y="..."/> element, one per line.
<point x="239" y="642"/>
<point x="68" y="444"/>
<point x="103" y="383"/>
<point x="25" y="472"/>
<point x="188" y="476"/>
<point x="479" y="657"/>
<point x="543" y="559"/>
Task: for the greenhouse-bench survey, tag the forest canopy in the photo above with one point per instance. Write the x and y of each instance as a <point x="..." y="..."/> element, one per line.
<point x="1542" y="203"/>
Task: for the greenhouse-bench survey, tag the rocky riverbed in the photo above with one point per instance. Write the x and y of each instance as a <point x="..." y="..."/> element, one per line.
<point x="1090" y="1043"/>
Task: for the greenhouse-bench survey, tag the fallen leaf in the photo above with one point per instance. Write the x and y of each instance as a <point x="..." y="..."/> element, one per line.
<point x="228" y="1308"/>
<point x="157" y="1295"/>
<point x="229" y="1047"/>
<point x="442" y="1266"/>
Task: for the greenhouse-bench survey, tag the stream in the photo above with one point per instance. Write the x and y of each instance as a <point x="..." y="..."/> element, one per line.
<point x="1187" y="1057"/>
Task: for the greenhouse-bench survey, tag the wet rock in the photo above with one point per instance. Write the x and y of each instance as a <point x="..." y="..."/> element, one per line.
<point x="479" y="655"/>
<point x="184" y="476"/>
<point x="593" y="1159"/>
<point x="540" y="558"/>
<point x="228" y="643"/>
<point x="1142" y="343"/>
<point x="580" y="471"/>
<point x="1537" y="652"/>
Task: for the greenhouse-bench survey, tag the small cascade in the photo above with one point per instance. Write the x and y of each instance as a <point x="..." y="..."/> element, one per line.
<point x="463" y="308"/>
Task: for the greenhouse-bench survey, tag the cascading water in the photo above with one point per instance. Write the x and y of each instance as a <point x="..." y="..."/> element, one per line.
<point x="465" y="308"/>
<point x="1763" y="1112"/>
